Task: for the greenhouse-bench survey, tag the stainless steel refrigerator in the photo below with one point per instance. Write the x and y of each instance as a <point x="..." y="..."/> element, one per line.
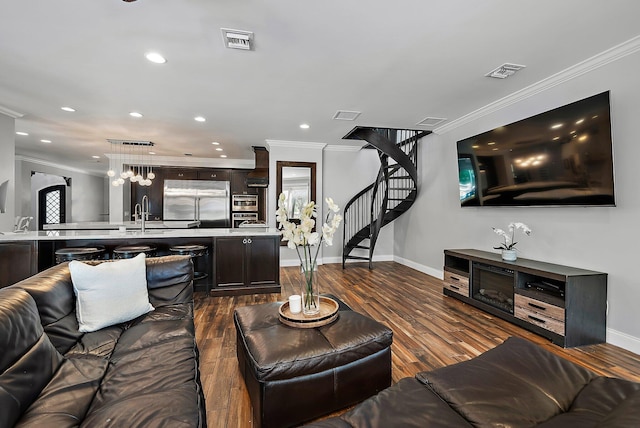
<point x="203" y="200"/>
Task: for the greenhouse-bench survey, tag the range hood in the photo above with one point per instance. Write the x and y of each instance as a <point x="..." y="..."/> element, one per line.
<point x="259" y="177"/>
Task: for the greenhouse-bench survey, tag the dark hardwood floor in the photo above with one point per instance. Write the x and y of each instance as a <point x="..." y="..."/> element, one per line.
<point x="430" y="331"/>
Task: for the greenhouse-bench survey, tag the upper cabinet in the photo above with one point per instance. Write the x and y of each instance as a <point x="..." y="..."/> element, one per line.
<point x="180" y="173"/>
<point x="214" y="174"/>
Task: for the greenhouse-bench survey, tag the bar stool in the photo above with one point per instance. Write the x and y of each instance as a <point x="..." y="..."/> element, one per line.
<point x="79" y="253"/>
<point x="130" y="251"/>
<point x="193" y="251"/>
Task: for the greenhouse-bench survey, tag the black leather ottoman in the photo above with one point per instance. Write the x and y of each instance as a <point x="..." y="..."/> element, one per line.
<point x="294" y="374"/>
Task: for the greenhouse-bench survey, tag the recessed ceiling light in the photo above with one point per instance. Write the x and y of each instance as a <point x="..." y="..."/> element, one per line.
<point x="215" y="143"/>
<point x="556" y="126"/>
<point x="21" y="133"/>
<point x="152" y="153"/>
<point x="199" y="119"/>
<point x="579" y="121"/>
<point x="491" y="143"/>
<point x="135" y="114"/>
<point x="223" y="156"/>
<point x="68" y="109"/>
<point x="155" y="57"/>
<point x="218" y="149"/>
<point x="304" y="126"/>
<point x="95" y="157"/>
<point x="45" y="141"/>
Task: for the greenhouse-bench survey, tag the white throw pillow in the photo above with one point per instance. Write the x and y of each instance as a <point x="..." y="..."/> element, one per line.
<point x="110" y="293"/>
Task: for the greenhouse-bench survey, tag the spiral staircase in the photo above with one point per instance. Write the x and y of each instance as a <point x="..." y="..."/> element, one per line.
<point x="392" y="194"/>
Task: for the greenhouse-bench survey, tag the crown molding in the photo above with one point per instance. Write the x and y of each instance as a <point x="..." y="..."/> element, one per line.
<point x="615" y="53"/>
<point x="54" y="165"/>
<point x="296" y="144"/>
<point x="11" y="113"/>
<point x="341" y="148"/>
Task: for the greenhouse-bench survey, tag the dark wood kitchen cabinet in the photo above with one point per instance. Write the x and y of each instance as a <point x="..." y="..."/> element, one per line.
<point x="18" y="260"/>
<point x="246" y="264"/>
<point x="180" y="173"/>
<point x="214" y="174"/>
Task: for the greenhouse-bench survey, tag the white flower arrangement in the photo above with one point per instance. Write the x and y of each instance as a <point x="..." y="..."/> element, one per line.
<point x="301" y="237"/>
<point x="509" y="243"/>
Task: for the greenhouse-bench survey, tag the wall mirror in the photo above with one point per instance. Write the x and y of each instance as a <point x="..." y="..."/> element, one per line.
<point x="297" y="180"/>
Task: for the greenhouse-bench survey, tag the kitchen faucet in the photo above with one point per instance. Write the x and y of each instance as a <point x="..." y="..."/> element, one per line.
<point x="144" y="212"/>
<point x="22" y="224"/>
<point x="136" y="212"/>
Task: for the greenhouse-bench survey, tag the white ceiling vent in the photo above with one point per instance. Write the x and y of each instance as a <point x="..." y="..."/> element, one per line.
<point x="346" y="115"/>
<point x="505" y="70"/>
<point x="431" y="121"/>
<point x="237" y="39"/>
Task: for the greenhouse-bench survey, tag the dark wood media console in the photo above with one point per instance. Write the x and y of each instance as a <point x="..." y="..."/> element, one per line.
<point x="564" y="304"/>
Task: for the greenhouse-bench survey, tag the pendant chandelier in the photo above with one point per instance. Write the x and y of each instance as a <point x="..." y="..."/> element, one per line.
<point x="133" y="155"/>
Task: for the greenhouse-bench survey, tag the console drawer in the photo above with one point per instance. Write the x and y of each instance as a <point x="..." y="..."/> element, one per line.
<point x="545" y="309"/>
<point x="539" y="313"/>
<point x="456" y="283"/>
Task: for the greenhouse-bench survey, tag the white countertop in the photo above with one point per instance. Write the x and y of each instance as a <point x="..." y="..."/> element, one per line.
<point x="59" y="235"/>
<point x="105" y="225"/>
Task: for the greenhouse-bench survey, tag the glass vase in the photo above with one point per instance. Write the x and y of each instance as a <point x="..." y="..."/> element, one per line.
<point x="309" y="289"/>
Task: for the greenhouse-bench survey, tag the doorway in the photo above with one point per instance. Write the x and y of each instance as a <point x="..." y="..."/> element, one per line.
<point x="51" y="205"/>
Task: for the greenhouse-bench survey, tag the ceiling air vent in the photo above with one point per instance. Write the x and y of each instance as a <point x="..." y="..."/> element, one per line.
<point x="431" y="121"/>
<point x="237" y="39"/>
<point x="505" y="70"/>
<point x="346" y="115"/>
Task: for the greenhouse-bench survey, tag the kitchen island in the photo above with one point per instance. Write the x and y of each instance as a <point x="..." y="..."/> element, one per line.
<point x="238" y="261"/>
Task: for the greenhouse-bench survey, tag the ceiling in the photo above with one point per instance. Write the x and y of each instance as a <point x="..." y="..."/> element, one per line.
<point x="395" y="62"/>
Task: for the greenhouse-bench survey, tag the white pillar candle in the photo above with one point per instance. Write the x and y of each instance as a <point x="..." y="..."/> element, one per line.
<point x="295" y="304"/>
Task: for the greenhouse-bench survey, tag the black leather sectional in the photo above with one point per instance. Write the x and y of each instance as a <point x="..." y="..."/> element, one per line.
<point x="517" y="384"/>
<point x="141" y="373"/>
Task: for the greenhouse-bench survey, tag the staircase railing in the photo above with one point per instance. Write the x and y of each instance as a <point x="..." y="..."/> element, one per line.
<point x="389" y="196"/>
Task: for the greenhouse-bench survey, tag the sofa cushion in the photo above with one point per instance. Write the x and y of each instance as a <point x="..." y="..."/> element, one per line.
<point x="28" y="360"/>
<point x="110" y="293"/>
<point x="406" y="404"/>
<point x="150" y="377"/>
<point x="603" y="399"/>
<point x="516" y="384"/>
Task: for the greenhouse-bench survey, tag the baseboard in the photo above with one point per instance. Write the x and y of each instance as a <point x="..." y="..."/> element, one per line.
<point x="335" y="260"/>
<point x="623" y="340"/>
<point x="438" y="273"/>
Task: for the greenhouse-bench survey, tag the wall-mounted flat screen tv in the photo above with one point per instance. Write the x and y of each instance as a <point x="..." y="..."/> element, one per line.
<point x="561" y="157"/>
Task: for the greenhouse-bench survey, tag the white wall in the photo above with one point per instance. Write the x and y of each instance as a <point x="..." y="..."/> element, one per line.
<point x="346" y="172"/>
<point x="598" y="238"/>
<point x="7" y="152"/>
<point x="340" y="173"/>
<point x="86" y="193"/>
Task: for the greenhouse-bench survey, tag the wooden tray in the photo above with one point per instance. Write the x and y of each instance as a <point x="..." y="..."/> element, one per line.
<point x="328" y="314"/>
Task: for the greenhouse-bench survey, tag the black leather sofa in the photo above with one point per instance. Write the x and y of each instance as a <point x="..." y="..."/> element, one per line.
<point x="141" y="373"/>
<point x="516" y="384"/>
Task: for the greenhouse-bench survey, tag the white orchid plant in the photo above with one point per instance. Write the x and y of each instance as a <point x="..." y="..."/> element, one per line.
<point x="302" y="237"/>
<point x="509" y="243"/>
